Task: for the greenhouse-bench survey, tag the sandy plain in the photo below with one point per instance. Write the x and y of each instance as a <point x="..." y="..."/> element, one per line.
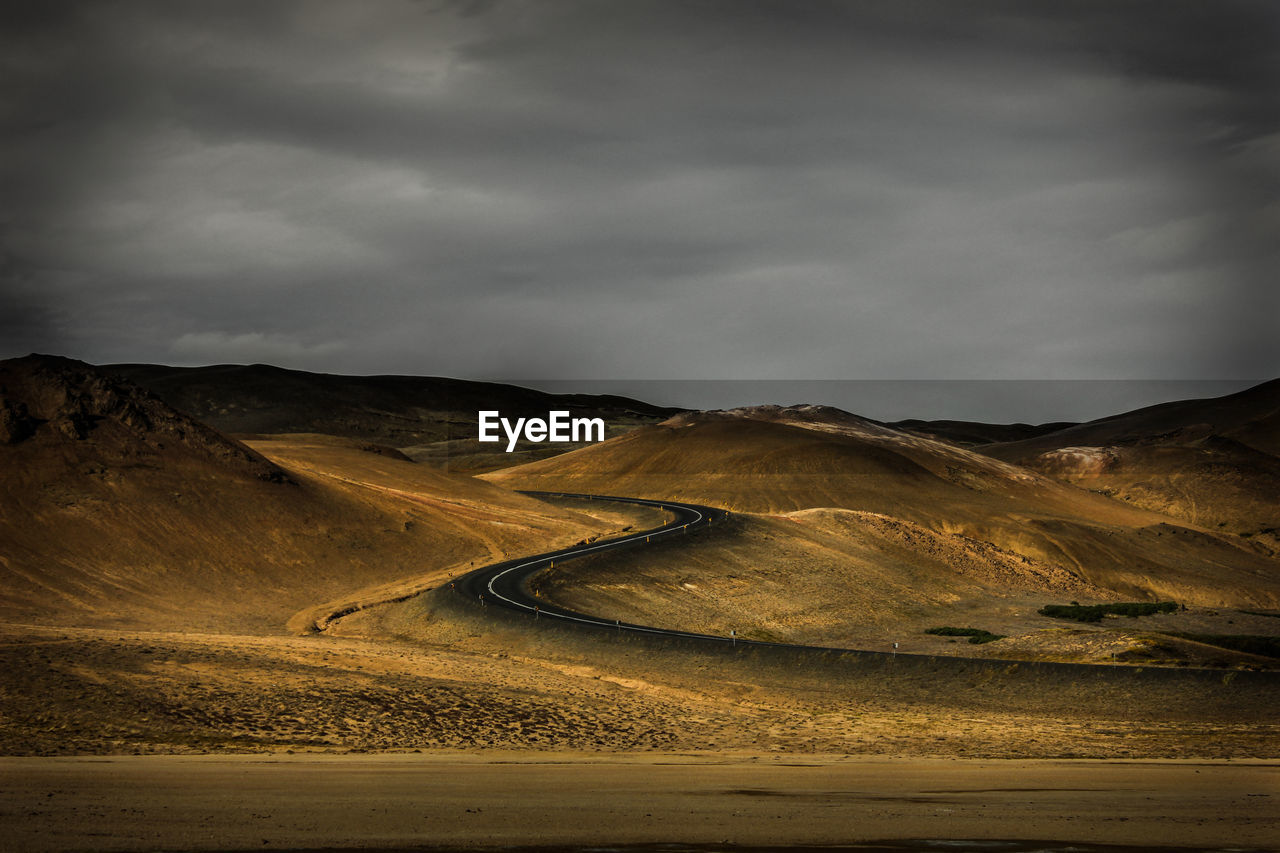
<point x="575" y="801"/>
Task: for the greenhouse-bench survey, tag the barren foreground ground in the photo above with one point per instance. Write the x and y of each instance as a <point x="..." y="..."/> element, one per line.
<point x="464" y="684"/>
<point x="572" y="800"/>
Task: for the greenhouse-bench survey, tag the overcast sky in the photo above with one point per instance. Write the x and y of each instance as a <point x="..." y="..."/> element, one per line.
<point x="647" y="190"/>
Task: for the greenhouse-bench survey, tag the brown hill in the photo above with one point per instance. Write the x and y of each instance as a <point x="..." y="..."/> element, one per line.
<point x="769" y="460"/>
<point x="773" y="459"/>
<point x="114" y="508"/>
<point x="48" y="400"/>
<point x="1214" y="482"/>
<point x="1212" y="462"/>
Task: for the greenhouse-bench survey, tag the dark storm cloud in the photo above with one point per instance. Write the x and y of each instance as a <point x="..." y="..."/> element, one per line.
<point x="27" y="322"/>
<point x="648" y="190"/>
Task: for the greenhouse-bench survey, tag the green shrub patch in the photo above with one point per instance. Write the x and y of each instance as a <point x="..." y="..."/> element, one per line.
<point x="975" y="635"/>
<point x="1095" y="612"/>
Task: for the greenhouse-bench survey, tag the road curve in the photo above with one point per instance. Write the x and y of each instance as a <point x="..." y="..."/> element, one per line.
<point x="507" y="584"/>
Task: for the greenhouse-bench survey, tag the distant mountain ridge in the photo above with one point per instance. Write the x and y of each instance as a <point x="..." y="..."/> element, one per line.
<point x="397" y="410"/>
<point x="1251" y="417"/>
<point x="976" y="433"/>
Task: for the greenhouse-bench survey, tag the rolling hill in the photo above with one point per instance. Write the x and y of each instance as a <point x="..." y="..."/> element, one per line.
<point x="1214" y="463"/>
<point x="154" y="573"/>
<point x="117" y="509"/>
<point x="893" y="523"/>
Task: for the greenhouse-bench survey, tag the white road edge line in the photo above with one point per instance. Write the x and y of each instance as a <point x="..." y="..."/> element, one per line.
<point x="613" y="543"/>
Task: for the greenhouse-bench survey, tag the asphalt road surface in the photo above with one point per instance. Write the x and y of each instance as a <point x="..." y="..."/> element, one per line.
<point x="507" y="584"/>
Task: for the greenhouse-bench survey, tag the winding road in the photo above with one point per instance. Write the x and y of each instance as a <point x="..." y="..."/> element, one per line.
<point x="507" y="584"/>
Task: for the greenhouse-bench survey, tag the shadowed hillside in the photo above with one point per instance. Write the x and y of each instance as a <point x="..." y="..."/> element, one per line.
<point x="432" y="419"/>
<point x="48" y="402"/>
<point x="973" y="433"/>
<point x="1251" y="417"/>
<point x="1212" y="462"/>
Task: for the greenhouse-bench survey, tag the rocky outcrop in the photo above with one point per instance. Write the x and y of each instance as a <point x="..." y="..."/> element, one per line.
<point x="48" y="399"/>
<point x="16" y="423"/>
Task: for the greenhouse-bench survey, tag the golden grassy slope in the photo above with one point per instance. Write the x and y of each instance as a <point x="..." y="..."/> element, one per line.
<point x="1212" y="482"/>
<point x="1212" y="462"/>
<point x="818" y="577"/>
<point x="184" y="544"/>
<point x="773" y="462"/>
<point x="115" y="509"/>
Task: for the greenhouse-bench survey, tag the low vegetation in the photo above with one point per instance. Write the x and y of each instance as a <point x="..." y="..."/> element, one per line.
<point x="1095" y="612"/>
<point x="975" y="635"/>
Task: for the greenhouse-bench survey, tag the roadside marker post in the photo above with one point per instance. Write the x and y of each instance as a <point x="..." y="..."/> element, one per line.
<point x="733" y="636"/>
